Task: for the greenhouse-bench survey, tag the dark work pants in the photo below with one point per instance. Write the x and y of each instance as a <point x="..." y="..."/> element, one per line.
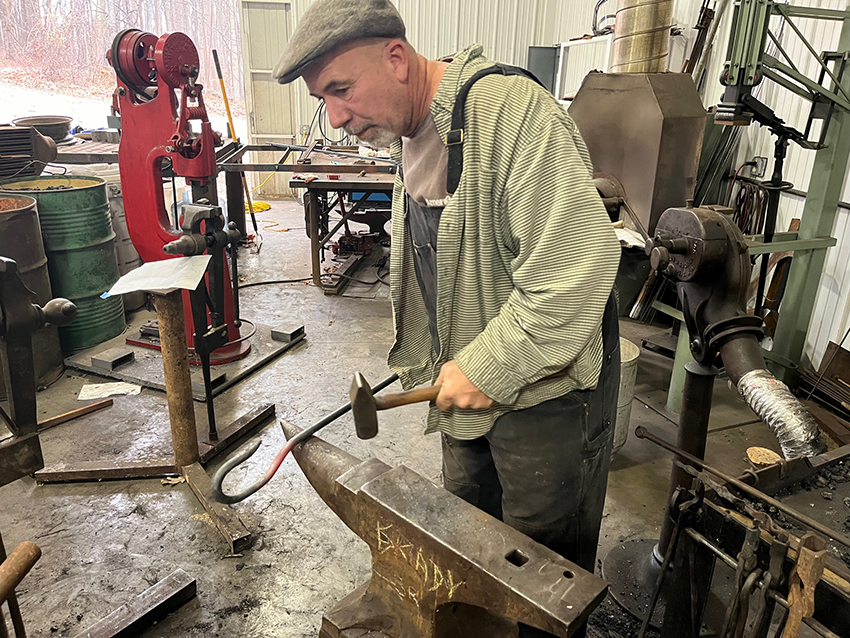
<point x="544" y="470"/>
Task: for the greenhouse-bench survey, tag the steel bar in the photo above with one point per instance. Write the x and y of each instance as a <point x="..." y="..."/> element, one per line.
<point x="150" y="606"/>
<point x="239" y="428"/>
<point x="178" y="383"/>
<point x="222" y="516"/>
<point x="642" y="433"/>
<point x="815" y="13"/>
<point x="16" y="566"/>
<point x="308" y="168"/>
<point x="814" y="53"/>
<point x="784" y="53"/>
<point x="327" y="151"/>
<point x="702" y="540"/>
<point x="772" y="63"/>
<point x="759" y="248"/>
<point x="720" y="9"/>
<point x="106" y="470"/>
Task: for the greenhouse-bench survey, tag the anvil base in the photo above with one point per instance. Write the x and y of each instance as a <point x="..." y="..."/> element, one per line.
<point x="363" y="615"/>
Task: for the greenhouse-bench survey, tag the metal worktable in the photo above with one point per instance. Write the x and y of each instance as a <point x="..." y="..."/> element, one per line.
<point x="316" y="206"/>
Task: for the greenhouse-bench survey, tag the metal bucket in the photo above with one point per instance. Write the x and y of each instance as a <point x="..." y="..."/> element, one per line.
<point x="629" y="354"/>
<point x="56" y="127"/>
<point x="20" y="239"/>
<point x="125" y="252"/>
<point x="80" y="247"/>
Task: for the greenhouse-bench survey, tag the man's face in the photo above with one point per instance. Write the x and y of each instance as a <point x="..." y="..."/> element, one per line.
<point x="365" y="89"/>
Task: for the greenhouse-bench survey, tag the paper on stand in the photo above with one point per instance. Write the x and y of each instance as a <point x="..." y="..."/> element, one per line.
<point x="163" y="276"/>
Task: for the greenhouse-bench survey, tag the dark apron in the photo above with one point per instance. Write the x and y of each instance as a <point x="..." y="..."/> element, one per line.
<point x="423" y="224"/>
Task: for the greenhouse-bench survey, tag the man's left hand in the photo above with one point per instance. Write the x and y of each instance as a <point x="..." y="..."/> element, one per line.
<point x="458" y="391"/>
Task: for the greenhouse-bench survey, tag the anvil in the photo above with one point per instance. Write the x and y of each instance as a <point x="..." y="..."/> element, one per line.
<point x="440" y="566"/>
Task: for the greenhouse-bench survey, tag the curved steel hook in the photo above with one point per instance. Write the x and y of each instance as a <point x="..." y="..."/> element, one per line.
<point x="246" y="452"/>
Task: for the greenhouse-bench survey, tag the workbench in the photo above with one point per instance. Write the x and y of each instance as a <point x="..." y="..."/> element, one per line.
<point x="318" y="205"/>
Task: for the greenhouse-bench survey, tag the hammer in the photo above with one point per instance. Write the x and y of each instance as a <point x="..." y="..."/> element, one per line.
<point x="365" y="406"/>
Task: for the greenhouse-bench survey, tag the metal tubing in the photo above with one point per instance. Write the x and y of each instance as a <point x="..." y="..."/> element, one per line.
<point x="692" y="435"/>
<point x="16" y="566"/>
<point x="641" y="36"/>
<point x="702" y="540"/>
<point x="178" y="383"/>
<point x="642" y="433"/>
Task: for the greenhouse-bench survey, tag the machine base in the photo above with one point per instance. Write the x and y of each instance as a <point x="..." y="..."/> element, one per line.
<point x="361" y="614"/>
<point x="632" y="570"/>
<point x="146" y="369"/>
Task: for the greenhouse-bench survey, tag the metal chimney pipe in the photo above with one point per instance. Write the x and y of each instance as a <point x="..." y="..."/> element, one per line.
<point x="641" y="36"/>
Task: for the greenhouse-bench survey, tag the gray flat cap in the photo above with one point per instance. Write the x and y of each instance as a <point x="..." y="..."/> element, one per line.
<point x="329" y="23"/>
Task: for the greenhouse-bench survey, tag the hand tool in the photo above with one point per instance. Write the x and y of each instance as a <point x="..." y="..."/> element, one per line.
<point x="811" y="555"/>
<point x="246" y="453"/>
<point x="365" y="405"/>
<point x="770" y="582"/>
<point x="440" y="566"/>
<point x="746" y="568"/>
<point x="642" y="433"/>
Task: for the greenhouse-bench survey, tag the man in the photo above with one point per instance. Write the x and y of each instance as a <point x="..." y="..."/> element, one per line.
<point x="499" y="279"/>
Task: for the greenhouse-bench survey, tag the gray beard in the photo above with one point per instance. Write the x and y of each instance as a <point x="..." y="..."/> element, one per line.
<point x="381" y="138"/>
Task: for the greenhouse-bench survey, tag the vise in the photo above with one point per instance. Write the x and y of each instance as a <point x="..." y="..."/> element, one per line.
<point x="158" y="97"/>
<point x="440" y="566"/>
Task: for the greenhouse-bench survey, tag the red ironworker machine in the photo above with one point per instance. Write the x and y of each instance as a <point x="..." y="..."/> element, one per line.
<point x="159" y="98"/>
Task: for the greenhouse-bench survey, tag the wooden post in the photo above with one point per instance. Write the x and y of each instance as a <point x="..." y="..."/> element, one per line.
<point x="178" y="384"/>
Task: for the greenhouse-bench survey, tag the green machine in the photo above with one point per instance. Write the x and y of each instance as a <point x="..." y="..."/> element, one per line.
<point x="747" y="64"/>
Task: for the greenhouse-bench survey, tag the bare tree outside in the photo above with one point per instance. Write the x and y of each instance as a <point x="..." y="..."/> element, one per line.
<point x="61" y="45"/>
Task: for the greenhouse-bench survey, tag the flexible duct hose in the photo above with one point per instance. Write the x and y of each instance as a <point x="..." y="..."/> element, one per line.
<point x="788" y="419"/>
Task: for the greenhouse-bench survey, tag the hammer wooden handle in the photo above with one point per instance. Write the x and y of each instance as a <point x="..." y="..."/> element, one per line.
<point x="417" y="395"/>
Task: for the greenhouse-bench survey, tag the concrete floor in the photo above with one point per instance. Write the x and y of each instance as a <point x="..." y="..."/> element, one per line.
<point x="103" y="543"/>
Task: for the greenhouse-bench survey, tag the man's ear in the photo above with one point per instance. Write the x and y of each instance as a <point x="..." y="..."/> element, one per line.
<point x="396" y="54"/>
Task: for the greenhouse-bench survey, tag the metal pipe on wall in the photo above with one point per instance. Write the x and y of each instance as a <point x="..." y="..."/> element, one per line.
<point x="641" y="36"/>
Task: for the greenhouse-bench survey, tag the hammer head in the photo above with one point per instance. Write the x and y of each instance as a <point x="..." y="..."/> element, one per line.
<point x="364" y="408"/>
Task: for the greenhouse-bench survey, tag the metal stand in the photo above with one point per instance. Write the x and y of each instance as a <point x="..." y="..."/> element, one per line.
<point x="634" y="565"/>
<point x="189" y="450"/>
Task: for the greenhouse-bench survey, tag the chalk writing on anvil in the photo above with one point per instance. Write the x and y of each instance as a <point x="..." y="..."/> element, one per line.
<point x="431" y="577"/>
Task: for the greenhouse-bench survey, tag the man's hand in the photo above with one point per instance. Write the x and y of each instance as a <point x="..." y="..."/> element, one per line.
<point x="458" y="391"/>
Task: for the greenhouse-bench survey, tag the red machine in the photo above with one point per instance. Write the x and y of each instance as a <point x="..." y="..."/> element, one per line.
<point x="158" y="97"/>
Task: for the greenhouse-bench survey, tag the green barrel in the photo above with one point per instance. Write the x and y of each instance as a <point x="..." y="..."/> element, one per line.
<point x="80" y="247"/>
<point x="20" y="239"/>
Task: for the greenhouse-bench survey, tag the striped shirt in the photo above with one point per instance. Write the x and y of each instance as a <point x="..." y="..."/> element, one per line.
<point x="526" y="256"/>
